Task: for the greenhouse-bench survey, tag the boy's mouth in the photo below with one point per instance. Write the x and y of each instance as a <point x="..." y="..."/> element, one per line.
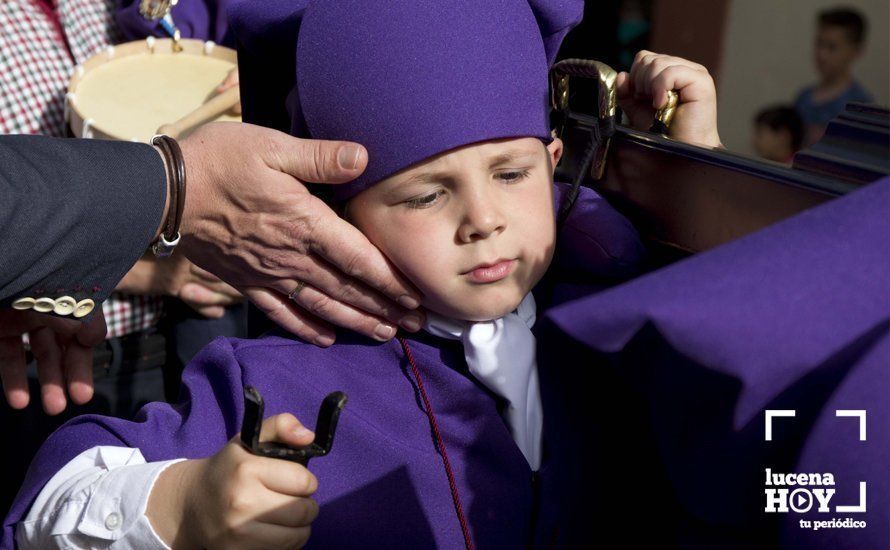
<point x="491" y="271"/>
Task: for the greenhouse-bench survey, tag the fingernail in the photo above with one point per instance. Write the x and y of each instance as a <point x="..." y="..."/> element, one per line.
<point x="324" y="341"/>
<point x="302" y="431"/>
<point x="411" y="322"/>
<point x="384" y="331"/>
<point x="409" y="302"/>
<point x="347" y="157"/>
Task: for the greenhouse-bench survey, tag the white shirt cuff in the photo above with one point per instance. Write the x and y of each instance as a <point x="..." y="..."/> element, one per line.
<point x="99" y="500"/>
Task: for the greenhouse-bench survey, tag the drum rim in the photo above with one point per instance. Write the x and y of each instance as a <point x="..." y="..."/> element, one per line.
<point x="74" y="118"/>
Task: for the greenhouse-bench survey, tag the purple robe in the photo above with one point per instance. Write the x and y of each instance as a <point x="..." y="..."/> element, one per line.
<point x="679" y="366"/>
<point x="384" y="484"/>
<point x="201" y="19"/>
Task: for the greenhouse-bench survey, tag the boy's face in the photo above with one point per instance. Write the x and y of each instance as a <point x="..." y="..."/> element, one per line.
<point x="473" y="228"/>
<point x="835" y="52"/>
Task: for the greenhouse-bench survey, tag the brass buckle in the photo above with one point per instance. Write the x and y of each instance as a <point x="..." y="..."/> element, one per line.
<point x="606" y="77"/>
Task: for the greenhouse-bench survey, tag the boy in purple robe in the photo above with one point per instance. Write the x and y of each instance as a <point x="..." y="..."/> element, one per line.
<point x="442" y="441"/>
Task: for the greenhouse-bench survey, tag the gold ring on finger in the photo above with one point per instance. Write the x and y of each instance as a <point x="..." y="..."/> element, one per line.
<point x="294" y="292"/>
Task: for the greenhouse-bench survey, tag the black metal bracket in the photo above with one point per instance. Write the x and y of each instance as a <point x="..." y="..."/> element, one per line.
<point x="325" y="427"/>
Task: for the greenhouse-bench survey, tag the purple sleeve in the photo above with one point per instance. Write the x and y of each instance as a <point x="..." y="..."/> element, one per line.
<point x="52" y="188"/>
<point x="200" y="19"/>
<point x="206" y="416"/>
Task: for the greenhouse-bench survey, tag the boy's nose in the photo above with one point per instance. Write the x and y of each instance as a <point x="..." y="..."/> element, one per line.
<point x="482" y="219"/>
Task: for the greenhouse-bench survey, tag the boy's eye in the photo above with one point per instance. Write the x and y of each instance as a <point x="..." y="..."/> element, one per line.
<point x="512" y="176"/>
<point x="425" y="201"/>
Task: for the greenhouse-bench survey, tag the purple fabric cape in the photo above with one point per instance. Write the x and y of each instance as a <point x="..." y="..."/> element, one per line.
<point x="383" y="485"/>
<point x="662" y="385"/>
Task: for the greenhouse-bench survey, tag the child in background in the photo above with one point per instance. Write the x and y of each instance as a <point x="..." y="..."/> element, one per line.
<point x="840" y="41"/>
<point x="778" y="134"/>
<point x="441" y="444"/>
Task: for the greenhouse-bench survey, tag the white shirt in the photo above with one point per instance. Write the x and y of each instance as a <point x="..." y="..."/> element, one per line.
<point x="97" y="500"/>
<point x="501" y="354"/>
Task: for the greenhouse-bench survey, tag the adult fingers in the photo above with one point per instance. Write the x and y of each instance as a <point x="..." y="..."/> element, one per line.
<point x="326" y="288"/>
<point x="202" y="274"/>
<point x="59" y="325"/>
<point x="16" y="323"/>
<point x="346" y="248"/>
<point x="209" y="294"/>
<point x="48" y="355"/>
<point x="78" y="363"/>
<point x="288" y="316"/>
<point x="322" y="306"/>
<point x="211" y="312"/>
<point x="313" y="160"/>
<point x="92" y="333"/>
<point x="211" y="281"/>
<point x="13" y="372"/>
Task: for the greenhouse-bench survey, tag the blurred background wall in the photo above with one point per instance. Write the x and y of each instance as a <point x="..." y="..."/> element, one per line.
<point x="767" y="57"/>
<point x="760" y="52"/>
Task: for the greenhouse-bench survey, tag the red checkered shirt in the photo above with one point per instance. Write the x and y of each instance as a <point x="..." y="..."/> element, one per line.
<point x="41" y="42"/>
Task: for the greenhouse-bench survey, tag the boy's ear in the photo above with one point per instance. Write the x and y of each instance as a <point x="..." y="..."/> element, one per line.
<point x="554" y="149"/>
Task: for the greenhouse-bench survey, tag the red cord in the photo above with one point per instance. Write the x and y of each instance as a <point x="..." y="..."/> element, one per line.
<point x="435" y="427"/>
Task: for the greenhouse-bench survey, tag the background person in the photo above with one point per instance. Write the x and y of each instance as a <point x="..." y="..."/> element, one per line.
<point x="778" y="134"/>
<point x="840" y="41"/>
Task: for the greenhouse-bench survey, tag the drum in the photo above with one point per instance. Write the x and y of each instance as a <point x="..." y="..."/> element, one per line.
<point x="127" y="91"/>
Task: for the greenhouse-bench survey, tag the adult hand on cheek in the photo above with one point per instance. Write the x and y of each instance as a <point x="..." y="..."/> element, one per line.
<point x="250" y="220"/>
<point x="644" y="89"/>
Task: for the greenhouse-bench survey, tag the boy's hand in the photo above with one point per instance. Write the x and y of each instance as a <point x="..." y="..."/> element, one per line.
<point x="230" y="81"/>
<point x="235" y="499"/>
<point x="644" y="90"/>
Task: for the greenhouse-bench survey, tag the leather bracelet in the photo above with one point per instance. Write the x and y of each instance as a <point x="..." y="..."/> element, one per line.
<point x="179" y="184"/>
<point x="174" y="164"/>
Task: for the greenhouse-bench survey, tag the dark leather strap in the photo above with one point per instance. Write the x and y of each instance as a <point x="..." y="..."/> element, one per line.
<point x="176" y="173"/>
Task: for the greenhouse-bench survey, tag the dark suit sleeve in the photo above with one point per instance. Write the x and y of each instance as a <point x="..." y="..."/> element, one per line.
<point x="75" y="216"/>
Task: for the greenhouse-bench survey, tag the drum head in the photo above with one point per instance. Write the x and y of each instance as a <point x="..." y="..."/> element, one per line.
<point x="130" y="90"/>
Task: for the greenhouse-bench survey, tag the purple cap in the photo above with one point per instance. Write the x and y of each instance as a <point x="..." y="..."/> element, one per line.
<point x="409" y="79"/>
